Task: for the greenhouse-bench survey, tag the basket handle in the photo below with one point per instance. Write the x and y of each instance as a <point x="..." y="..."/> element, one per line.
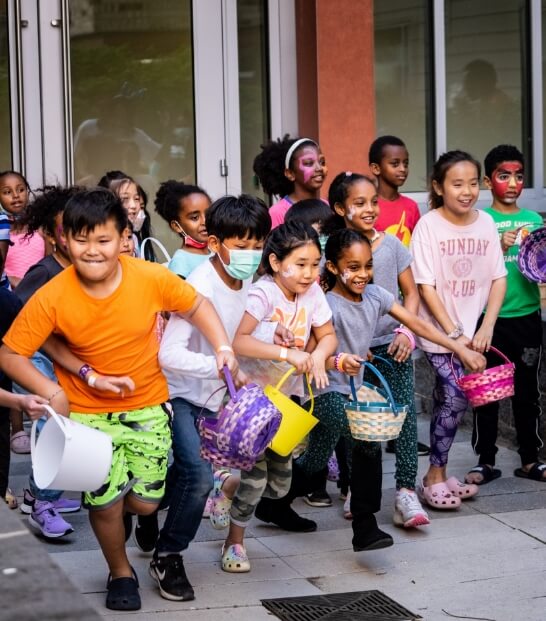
<point x="309" y="389"/>
<point x="158" y="244"/>
<point x="230" y="386"/>
<point x="491" y="348"/>
<point x="379" y="375"/>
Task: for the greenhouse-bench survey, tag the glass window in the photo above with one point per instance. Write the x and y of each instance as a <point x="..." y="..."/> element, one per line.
<point x="402" y="82"/>
<point x="132" y="93"/>
<point x="5" y="121"/>
<point x="486" y="75"/>
<point x="253" y="85"/>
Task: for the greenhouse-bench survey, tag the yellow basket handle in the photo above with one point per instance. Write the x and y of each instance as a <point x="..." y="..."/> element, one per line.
<point x="287" y="375"/>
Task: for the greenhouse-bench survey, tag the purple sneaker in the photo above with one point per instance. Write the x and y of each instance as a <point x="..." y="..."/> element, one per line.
<point x="47" y="520"/>
<point x="62" y="505"/>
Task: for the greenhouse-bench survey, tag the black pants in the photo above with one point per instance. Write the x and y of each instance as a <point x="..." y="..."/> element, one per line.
<point x="366" y="478"/>
<point x="520" y="339"/>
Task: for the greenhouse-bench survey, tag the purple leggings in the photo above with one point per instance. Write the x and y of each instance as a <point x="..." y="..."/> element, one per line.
<point x="449" y="405"/>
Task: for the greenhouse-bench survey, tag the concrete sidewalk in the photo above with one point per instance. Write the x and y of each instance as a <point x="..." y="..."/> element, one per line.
<point x="485" y="561"/>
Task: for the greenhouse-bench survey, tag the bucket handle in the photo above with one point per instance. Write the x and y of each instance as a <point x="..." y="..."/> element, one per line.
<point x="379" y="375"/>
<point x="491" y="348"/>
<point x="58" y="420"/>
<point x="158" y="244"/>
<point x="310" y="390"/>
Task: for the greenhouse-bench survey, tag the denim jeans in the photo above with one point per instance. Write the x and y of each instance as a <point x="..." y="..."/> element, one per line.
<point x="45" y="366"/>
<point x="189" y="480"/>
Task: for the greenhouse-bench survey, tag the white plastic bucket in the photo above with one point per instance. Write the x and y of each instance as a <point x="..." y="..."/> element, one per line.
<point x="69" y="456"/>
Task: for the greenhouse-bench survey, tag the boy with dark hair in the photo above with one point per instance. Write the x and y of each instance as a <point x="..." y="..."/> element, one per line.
<point x="518" y="330"/>
<point x="105" y="306"/>
<point x="388" y="159"/>
<point x="237" y="228"/>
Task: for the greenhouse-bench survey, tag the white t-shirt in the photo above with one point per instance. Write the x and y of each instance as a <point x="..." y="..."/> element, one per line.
<point x="461" y="262"/>
<point x="186" y="357"/>
<point x="267" y="304"/>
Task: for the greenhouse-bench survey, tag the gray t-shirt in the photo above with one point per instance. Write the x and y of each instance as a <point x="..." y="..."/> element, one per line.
<point x="354" y="323"/>
<point x="389" y="260"/>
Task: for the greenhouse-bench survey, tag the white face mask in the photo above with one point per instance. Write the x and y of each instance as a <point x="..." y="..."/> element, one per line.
<point x="138" y="220"/>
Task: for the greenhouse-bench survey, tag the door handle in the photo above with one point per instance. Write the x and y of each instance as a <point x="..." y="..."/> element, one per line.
<point x="56" y="23"/>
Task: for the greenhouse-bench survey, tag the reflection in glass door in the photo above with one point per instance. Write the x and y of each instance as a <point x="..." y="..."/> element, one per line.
<point x="132" y="93"/>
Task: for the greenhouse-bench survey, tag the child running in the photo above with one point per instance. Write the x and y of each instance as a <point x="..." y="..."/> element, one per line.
<point x="101" y="286"/>
<point x="237" y="227"/>
<point x="293" y="169"/>
<point x="354" y="199"/>
<point x="288" y="294"/>
<point x="183" y="208"/>
<point x="459" y="268"/>
<point x="518" y="329"/>
<point x="357" y="308"/>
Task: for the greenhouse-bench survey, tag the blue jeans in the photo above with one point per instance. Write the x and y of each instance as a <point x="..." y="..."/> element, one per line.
<point x="45" y="366"/>
<point x="189" y="480"/>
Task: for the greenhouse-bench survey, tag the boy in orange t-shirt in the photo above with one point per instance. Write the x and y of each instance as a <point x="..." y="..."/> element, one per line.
<point x="105" y="307"/>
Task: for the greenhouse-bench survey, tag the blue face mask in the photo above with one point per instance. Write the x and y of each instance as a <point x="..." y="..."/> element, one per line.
<point x="242" y="263"/>
<point x="322" y="241"/>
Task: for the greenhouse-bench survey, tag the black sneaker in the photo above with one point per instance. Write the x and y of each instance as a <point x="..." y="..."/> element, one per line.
<point x="146" y="532"/>
<point x="284" y="516"/>
<point x="376" y="539"/>
<point x="422" y="449"/>
<point x="319" y="498"/>
<point x="170" y="575"/>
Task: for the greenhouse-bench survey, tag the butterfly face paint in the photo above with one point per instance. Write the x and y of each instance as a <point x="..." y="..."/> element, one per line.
<point x="345" y="275"/>
<point x="288" y="271"/>
<point x="309" y="168"/>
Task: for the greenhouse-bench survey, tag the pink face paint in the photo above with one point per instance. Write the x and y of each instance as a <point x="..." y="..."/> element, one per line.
<point x="307" y="164"/>
<point x="345" y="276"/>
<point x="507" y="181"/>
<point x="289" y="271"/>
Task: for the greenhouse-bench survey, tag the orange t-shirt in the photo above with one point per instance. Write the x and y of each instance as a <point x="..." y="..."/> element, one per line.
<point x="115" y="335"/>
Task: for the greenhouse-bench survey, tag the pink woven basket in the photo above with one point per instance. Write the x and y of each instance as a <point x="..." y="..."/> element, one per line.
<point x="491" y="385"/>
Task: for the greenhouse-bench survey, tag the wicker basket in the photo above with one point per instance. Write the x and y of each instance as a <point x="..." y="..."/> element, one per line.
<point x="374" y="421"/>
<point x="532" y="256"/>
<point x="491" y="385"/>
<point x="243" y="429"/>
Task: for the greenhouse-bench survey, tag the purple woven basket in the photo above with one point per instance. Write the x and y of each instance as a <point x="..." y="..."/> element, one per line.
<point x="243" y="429"/>
<point x="532" y="256"/>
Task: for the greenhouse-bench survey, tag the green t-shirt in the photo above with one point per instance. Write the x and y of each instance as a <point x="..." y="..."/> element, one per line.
<point x="522" y="296"/>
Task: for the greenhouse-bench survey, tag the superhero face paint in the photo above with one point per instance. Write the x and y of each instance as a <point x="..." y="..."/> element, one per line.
<point x="507" y="182"/>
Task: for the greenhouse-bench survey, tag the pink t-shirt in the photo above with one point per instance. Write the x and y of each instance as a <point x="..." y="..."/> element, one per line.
<point x="461" y="262"/>
<point x="267" y="303"/>
<point x="278" y="211"/>
<point x="24" y="253"/>
<point x="398" y="217"/>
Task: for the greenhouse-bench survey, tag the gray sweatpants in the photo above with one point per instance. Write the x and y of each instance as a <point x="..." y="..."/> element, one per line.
<point x="270" y="478"/>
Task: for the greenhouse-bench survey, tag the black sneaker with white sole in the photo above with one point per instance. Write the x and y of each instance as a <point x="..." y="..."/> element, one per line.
<point x="170" y="575"/>
<point x="319" y="498"/>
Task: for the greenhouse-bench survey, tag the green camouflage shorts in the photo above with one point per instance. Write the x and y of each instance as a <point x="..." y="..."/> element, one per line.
<point x="141" y="441"/>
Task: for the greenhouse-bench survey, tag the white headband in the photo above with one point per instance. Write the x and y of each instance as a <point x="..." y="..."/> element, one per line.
<point x="293" y="148"/>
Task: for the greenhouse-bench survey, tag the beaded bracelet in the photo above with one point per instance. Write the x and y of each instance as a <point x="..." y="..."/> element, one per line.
<point x="338" y="362"/>
<point x="54" y="395"/>
<point x="408" y="334"/>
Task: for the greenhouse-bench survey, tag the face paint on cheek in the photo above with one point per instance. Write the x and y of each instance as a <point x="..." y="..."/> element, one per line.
<point x="345" y="276"/>
<point x="289" y="271"/>
<point x="511" y="186"/>
<point x="306" y="167"/>
<point x="351" y="214"/>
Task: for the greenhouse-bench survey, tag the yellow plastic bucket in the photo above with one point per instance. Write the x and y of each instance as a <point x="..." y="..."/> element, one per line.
<point x="296" y="422"/>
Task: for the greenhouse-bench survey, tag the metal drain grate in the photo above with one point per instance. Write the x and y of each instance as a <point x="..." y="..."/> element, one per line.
<point x="354" y="606"/>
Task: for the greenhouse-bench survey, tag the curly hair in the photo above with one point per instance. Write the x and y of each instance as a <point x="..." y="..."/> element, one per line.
<point x="169" y="195"/>
<point x="269" y="165"/>
<point x="40" y="214"/>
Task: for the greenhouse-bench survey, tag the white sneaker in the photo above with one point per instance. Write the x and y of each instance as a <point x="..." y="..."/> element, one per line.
<point x="408" y="511"/>
<point x="347" y="507"/>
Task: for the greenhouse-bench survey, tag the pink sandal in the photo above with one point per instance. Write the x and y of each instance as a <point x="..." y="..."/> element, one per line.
<point x="438" y="496"/>
<point x="462" y="490"/>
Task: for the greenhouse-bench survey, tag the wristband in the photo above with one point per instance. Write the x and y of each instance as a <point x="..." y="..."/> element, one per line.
<point x="84" y="371"/>
<point x="457" y="332"/>
<point x="92" y="379"/>
<point x="224" y="348"/>
<point x="408" y="334"/>
<point x="284" y="353"/>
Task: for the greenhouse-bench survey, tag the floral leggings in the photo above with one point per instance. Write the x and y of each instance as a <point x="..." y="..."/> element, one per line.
<point x="449" y="406"/>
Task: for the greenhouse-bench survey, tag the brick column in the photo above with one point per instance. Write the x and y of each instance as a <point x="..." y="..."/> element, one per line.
<point x="336" y="95"/>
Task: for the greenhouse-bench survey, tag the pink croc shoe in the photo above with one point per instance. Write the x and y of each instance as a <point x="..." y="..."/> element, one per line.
<point x="20" y="443"/>
<point x="462" y="490"/>
<point x="438" y="496"/>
